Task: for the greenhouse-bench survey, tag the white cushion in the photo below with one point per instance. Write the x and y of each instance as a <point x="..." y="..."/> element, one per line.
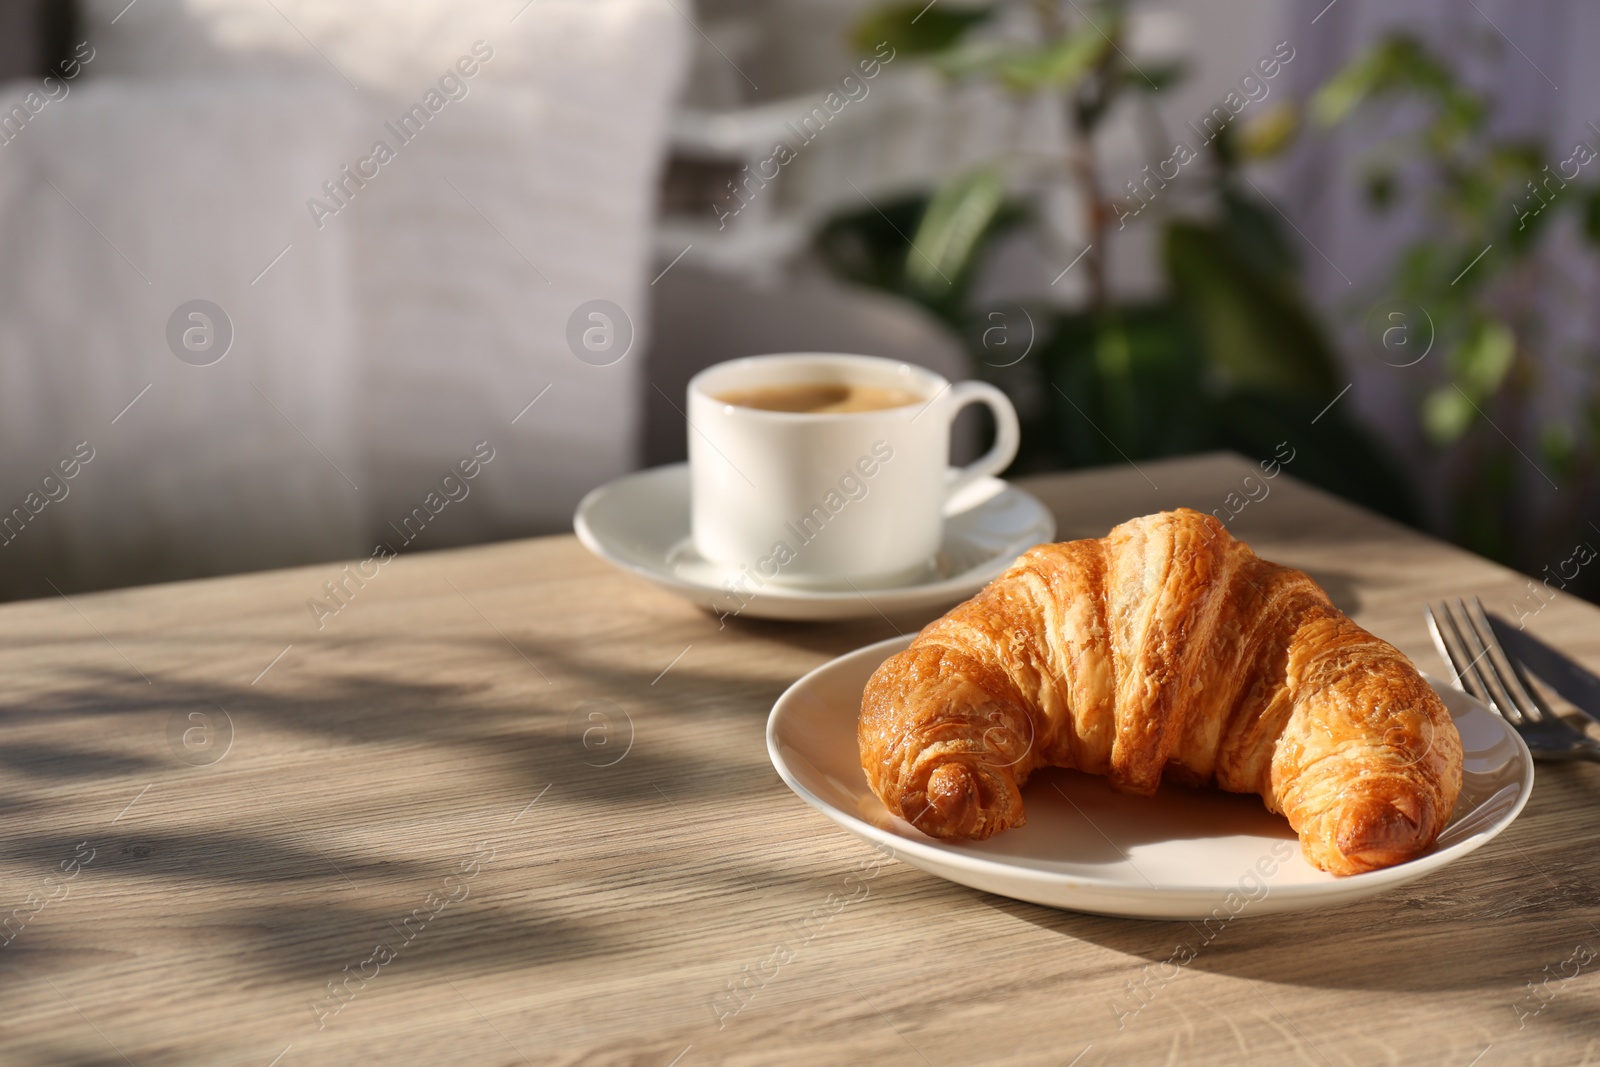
<point x="553" y="153"/>
<point x="118" y="204"/>
<point x="393" y="45"/>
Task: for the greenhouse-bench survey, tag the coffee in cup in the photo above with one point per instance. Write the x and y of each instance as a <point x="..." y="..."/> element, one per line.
<point x="820" y="398"/>
<point x="820" y="469"/>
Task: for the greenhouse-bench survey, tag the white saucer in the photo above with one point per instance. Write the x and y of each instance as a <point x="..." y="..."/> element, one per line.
<point x="641" y="524"/>
<point x="1181" y="854"/>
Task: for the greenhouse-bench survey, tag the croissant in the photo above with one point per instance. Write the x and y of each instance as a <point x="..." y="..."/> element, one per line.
<point x="1165" y="649"/>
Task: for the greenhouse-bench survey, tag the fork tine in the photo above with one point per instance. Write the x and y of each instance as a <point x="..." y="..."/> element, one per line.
<point x="1483" y="658"/>
<point x="1445" y="648"/>
<point x="1502" y="684"/>
<point x="1485" y="646"/>
<point x="1516" y="679"/>
<point x="1475" y="653"/>
<point x="1447" y="635"/>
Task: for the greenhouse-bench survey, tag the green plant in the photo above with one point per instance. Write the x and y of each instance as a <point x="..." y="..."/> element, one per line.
<point x="1230" y="356"/>
<point x="1519" y="471"/>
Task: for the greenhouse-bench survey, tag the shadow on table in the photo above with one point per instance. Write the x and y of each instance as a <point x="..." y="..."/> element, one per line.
<point x="1432" y="936"/>
<point x="835" y="638"/>
<point x="332" y="900"/>
<point x="531" y="737"/>
<point x="1341" y="589"/>
<point x="303" y="898"/>
<point x="490" y="730"/>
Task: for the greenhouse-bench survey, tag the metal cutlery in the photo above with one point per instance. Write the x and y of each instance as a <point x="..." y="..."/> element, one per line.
<point x="1553" y="667"/>
<point x="1483" y="668"/>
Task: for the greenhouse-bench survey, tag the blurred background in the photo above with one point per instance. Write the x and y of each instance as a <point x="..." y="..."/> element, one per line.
<point x="270" y="269"/>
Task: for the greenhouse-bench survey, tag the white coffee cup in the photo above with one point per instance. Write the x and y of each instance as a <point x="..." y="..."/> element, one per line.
<point x="817" y="498"/>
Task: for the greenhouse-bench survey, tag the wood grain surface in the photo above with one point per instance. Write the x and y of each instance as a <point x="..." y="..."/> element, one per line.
<point x="510" y="806"/>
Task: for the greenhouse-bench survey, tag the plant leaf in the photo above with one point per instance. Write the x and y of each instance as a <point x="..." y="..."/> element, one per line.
<point x="1258" y="332"/>
<point x="1381" y="184"/>
<point x="1397" y="63"/>
<point x="1420" y="265"/>
<point x="916" y="28"/>
<point x="1158" y="77"/>
<point x="1253" y="232"/>
<point x="1056" y="65"/>
<point x="1559" y="445"/>
<point x="1124" y="382"/>
<point x="952" y="228"/>
<point x="1349" y="88"/>
<point x="1482" y="360"/>
<point x="1268" y="133"/>
<point x="1591" y="216"/>
<point x="971" y="59"/>
<point x="1446" y="415"/>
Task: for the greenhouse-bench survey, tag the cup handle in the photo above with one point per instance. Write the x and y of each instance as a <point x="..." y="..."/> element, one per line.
<point x="1008" y="434"/>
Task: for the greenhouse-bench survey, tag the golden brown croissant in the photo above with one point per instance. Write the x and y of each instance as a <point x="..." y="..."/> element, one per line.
<point x="1164" y="648"/>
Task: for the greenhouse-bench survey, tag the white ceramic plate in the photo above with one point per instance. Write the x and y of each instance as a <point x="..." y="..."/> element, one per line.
<point x="1181" y="854"/>
<point x="641" y="524"/>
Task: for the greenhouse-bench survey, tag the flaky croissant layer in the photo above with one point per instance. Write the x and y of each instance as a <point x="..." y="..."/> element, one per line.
<point x="1166" y="648"/>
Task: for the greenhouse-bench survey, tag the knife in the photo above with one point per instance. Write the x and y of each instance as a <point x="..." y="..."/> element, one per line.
<point x="1560" y="671"/>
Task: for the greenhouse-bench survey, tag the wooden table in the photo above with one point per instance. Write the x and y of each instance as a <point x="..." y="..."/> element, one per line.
<point x="542" y="786"/>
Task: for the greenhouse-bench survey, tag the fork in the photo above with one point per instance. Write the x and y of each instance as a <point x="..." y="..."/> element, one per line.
<point x="1483" y="668"/>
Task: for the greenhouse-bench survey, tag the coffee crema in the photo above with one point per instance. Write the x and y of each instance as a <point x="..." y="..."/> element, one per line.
<point x="819" y="398"/>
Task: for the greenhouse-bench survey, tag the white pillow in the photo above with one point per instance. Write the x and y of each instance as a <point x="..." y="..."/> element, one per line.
<point x="119" y="204"/>
<point x="551" y="157"/>
<point x="396" y="45"/>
